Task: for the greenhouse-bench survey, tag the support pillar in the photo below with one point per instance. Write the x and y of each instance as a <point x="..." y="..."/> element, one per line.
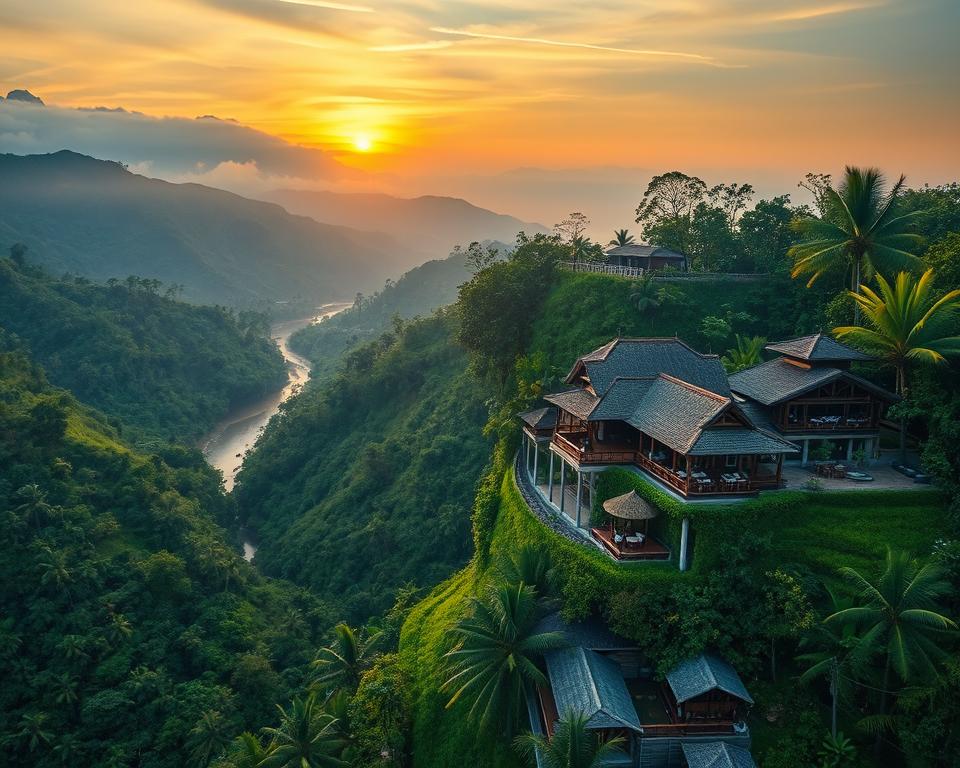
<point x="536" y="456"/>
<point x="684" y="540"/>
<point x="579" y="496"/>
<point x="550" y="479"/>
<point x="806" y="452"/>
<point x="850" y="449"/>
<point x="527" y="464"/>
<point x="563" y="477"/>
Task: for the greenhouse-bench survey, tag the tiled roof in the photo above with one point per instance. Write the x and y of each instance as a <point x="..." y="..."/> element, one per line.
<point x="579" y="402"/>
<point x="584" y="681"/>
<point x="716" y="754"/>
<point x="539" y="418"/>
<point x="777" y="380"/>
<point x="817" y="348"/>
<point x="674" y="412"/>
<point x="643" y="358"/>
<point x="704" y="673"/>
<point x="620" y="401"/>
<point x="591" y="633"/>
<point x="644" y="251"/>
<point x="725" y="440"/>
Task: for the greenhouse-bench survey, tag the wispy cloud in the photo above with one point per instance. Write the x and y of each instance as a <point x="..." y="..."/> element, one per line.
<point x="806" y="13"/>
<point x="429" y="45"/>
<point x="571" y="44"/>
<point x="329" y="6"/>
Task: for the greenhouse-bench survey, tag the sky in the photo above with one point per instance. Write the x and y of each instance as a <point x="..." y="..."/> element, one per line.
<point x="529" y="107"/>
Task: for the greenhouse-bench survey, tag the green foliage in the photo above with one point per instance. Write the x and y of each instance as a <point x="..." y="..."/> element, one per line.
<point x="379" y="465"/>
<point x="161" y="366"/>
<point x="572" y="745"/>
<point x="122" y="634"/>
<point x="380" y="715"/>
<point x="746" y="354"/>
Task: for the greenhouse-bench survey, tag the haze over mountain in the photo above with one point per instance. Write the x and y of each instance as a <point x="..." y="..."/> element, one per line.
<point x="429" y="224"/>
<point x="94" y="218"/>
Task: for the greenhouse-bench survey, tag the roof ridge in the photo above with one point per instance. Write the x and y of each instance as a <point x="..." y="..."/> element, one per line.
<point x="593" y="682"/>
<point x="694" y="388"/>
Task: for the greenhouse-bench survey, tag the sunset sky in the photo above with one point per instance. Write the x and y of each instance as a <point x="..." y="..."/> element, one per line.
<point x="441" y="91"/>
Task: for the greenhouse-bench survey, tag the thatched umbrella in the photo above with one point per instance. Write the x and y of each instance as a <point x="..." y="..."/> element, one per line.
<point x="631" y="506"/>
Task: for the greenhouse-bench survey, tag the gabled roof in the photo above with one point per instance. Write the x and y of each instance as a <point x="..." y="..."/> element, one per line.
<point x="644" y="251"/>
<point x="704" y="673"/>
<point x="584" y="681"/>
<point x="539" y="418"/>
<point x="817" y="348"/>
<point x="727" y="440"/>
<point x="579" y="402"/>
<point x="621" y="399"/>
<point x="590" y="633"/>
<point x="777" y="380"/>
<point x="644" y="358"/>
<point x="674" y="412"/>
<point x="716" y="754"/>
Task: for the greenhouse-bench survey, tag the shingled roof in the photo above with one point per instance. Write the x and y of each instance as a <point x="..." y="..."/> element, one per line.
<point x="590" y="633"/>
<point x="644" y="358"/>
<point x="777" y="380"/>
<point x="644" y="251"/>
<point x="716" y="754"/>
<point x="539" y="418"/>
<point x="674" y="412"/>
<point x="705" y="673"/>
<point x="817" y="348"/>
<point x="719" y="442"/>
<point x="579" y="402"/>
<point x="584" y="681"/>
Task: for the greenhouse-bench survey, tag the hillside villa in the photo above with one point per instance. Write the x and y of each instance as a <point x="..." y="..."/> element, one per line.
<point x="695" y="717"/>
<point x="648" y="258"/>
<point x="660" y="408"/>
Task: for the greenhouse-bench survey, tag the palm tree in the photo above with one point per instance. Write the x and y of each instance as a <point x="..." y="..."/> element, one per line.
<point x="905" y="323"/>
<point x="745" y="355"/>
<point x="582" y="248"/>
<point x="827" y="651"/>
<point x="33" y="730"/>
<point x="572" y="745"/>
<point x="860" y="230"/>
<point x="621" y="237"/>
<point x="899" y="621"/>
<point x="530" y="565"/>
<point x="306" y="738"/>
<point x="209" y="738"/>
<point x="34" y="504"/>
<point x="493" y="662"/>
<point x="645" y="295"/>
<point x="245" y="751"/>
<point x="342" y="663"/>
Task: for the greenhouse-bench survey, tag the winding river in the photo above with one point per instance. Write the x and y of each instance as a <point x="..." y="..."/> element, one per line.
<point x="226" y="444"/>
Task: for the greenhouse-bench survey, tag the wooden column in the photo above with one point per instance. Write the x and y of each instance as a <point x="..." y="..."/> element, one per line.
<point x="579" y="496"/>
<point x="779" y="468"/>
<point x="550" y="480"/>
<point x="536" y="456"/>
<point x="527" y="441"/>
<point x="563" y="469"/>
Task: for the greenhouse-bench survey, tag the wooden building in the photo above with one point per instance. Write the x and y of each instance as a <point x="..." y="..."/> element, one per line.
<point x="646" y="257"/>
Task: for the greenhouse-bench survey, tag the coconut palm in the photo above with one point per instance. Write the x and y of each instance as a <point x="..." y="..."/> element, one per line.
<point x="860" y="231"/>
<point x="307" y="737"/>
<point x="621" y="237"/>
<point x="745" y="355"/>
<point x="905" y="324"/>
<point x="494" y="660"/>
<point x="645" y="295"/>
<point x="582" y="248"/>
<point x="899" y="621"/>
<point x="341" y="664"/>
<point x="572" y="745"/>
<point x="209" y="738"/>
<point x="245" y="751"/>
<point x="34" y="505"/>
<point x="530" y="565"/>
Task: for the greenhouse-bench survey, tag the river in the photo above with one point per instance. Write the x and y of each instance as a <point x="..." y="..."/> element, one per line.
<point x="226" y="443"/>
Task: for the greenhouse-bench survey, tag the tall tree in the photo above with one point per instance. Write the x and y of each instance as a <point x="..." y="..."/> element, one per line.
<point x="341" y="664"/>
<point x="573" y="745"/>
<point x="906" y="324"/>
<point x="307" y="737"/>
<point x="209" y="738"/>
<point x="861" y="230"/>
<point x="899" y="621"/>
<point x="732" y="199"/>
<point x="764" y="235"/>
<point x="494" y="660"/>
<point x="622" y="237"/>
<point x="666" y="211"/>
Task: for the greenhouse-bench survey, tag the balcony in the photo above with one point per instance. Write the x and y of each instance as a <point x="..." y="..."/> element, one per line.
<point x="577" y="446"/>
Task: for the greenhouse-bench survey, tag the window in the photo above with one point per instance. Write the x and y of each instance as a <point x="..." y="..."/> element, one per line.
<point x="730" y="460"/>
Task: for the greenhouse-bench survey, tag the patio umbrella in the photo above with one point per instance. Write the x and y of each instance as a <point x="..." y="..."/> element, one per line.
<point x="631" y="506"/>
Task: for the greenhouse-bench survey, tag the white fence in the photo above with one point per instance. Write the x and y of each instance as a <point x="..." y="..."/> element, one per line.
<point x="603" y="269"/>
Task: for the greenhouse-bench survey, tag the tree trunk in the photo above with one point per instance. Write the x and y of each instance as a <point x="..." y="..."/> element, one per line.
<point x="902" y="391"/>
<point x="856" y="290"/>
<point x="878" y="742"/>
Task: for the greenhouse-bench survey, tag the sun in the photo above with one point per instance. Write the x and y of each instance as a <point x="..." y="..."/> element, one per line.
<point x="362" y="143"/>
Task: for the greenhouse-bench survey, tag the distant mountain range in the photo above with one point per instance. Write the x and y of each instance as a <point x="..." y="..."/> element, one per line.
<point x="428" y="226"/>
<point x="95" y="218"/>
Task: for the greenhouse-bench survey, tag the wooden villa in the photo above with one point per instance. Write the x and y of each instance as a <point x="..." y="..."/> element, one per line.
<point x="645" y="257"/>
<point x="809" y="395"/>
<point x="700" y="708"/>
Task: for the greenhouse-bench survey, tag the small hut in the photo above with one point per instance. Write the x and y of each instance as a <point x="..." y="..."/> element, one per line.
<point x="631" y="507"/>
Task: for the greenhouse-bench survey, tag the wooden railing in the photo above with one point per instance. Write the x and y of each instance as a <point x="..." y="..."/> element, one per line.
<point x="688" y="729"/>
<point x="563" y="442"/>
<point x="603" y="269"/>
<point x="840" y="426"/>
<point x="670" y="478"/>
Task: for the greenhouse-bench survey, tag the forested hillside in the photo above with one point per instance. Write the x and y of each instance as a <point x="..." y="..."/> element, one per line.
<point x="364" y="482"/>
<point x="157" y="365"/>
<point x="97" y="219"/>
<point x="131" y="632"/>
